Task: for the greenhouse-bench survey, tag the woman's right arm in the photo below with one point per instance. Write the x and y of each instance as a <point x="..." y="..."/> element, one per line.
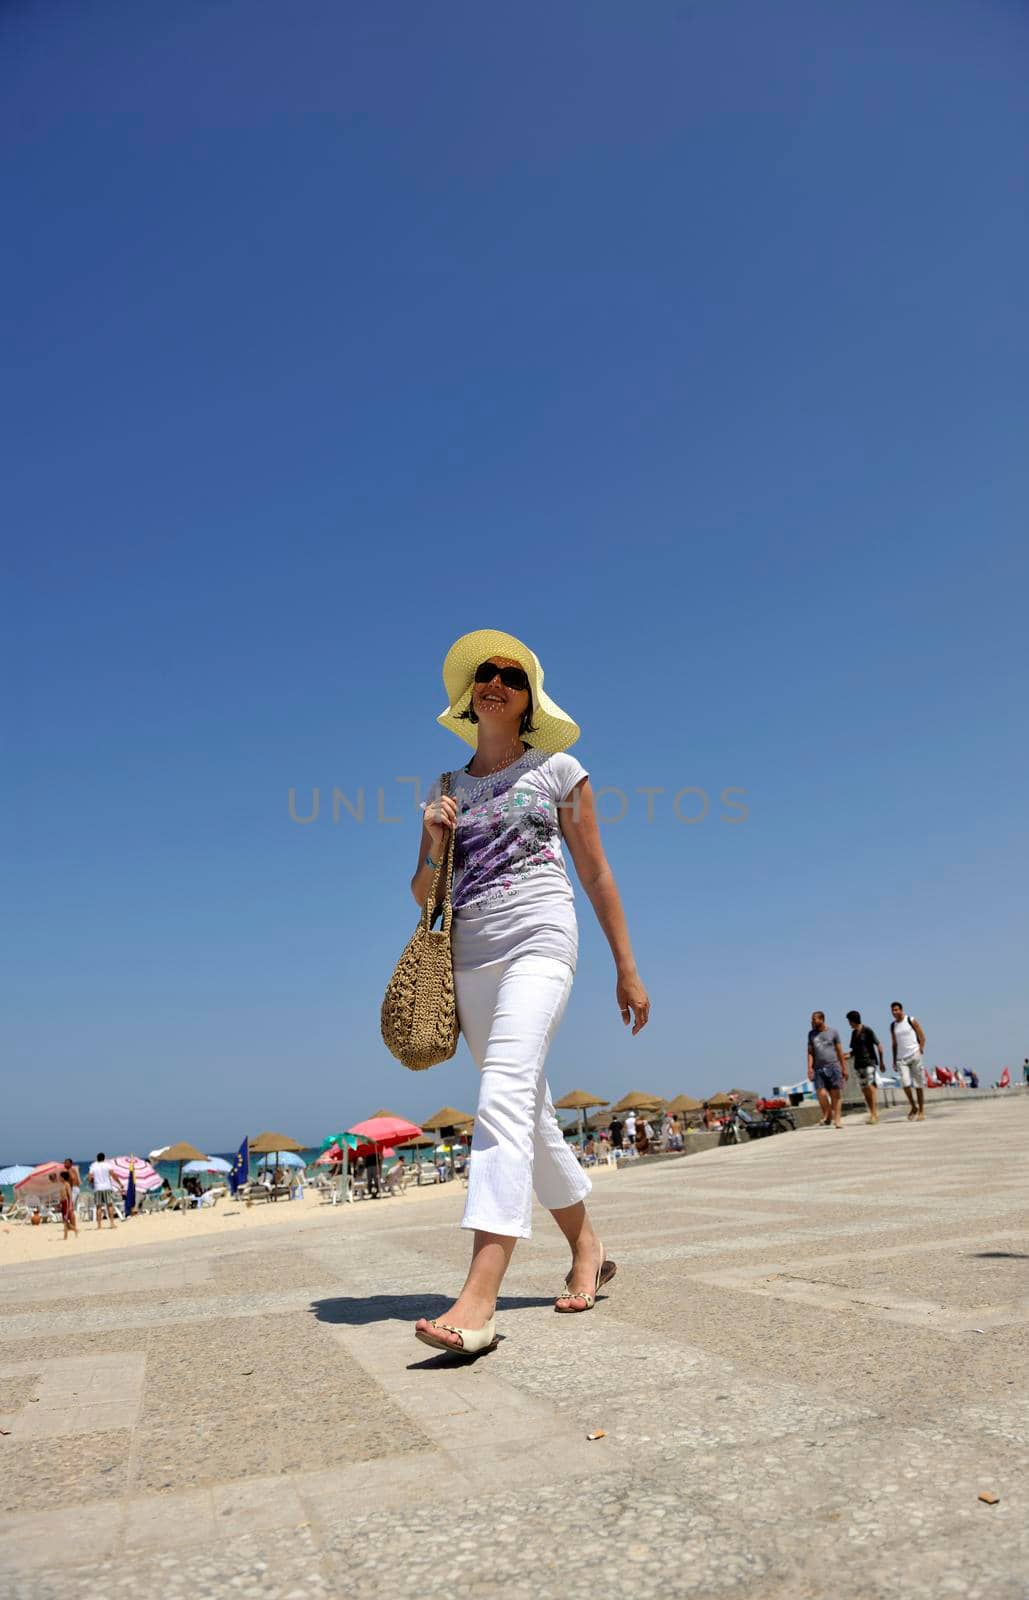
<point x="439" y="817"/>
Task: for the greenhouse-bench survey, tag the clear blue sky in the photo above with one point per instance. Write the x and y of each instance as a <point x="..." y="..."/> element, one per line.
<point x="689" y="342"/>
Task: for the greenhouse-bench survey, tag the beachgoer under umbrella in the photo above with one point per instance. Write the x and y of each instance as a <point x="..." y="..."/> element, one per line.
<point x="519" y="800"/>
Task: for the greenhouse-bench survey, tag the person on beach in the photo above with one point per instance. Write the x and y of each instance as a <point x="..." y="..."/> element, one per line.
<point x="68" y="1217"/>
<point x="908" y="1048"/>
<point x="75" y="1178"/>
<point x="616" y="1130"/>
<point x="826" y="1069"/>
<point x="512" y="807"/>
<point x="104" y="1182"/>
<point x="864" y="1046"/>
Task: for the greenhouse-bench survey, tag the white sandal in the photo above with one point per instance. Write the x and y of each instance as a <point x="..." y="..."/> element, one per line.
<point x="605" y="1272"/>
<point x="473" y="1340"/>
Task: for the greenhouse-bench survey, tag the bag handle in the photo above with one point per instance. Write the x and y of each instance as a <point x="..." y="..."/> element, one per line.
<point x="446" y="866"/>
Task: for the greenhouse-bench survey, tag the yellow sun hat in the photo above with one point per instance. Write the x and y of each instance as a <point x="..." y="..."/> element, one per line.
<point x="554" y="728"/>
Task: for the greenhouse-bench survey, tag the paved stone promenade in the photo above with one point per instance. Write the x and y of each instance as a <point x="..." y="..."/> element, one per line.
<point x="812" y="1360"/>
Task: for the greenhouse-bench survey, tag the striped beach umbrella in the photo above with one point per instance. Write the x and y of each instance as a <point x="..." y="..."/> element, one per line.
<point x="144" y="1174"/>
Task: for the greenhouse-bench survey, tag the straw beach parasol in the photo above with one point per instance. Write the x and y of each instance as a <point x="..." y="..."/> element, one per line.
<point x="682" y="1105"/>
<point x="269" y="1144"/>
<point x="719" y="1099"/>
<point x="579" y="1100"/>
<point x="448" y="1117"/>
<point x="182" y="1152"/>
<point x="272" y="1144"/>
<point x="638" y="1101"/>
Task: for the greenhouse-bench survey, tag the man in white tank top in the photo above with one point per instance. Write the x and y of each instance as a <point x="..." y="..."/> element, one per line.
<point x="908" y="1045"/>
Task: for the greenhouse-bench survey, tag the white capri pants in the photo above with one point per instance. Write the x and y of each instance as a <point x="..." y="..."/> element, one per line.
<point x="509" y="1013"/>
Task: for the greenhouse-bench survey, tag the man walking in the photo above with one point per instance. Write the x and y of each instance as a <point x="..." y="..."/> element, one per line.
<point x="103" y="1181"/>
<point x="617" y="1129"/>
<point x="75" y="1179"/>
<point x="863" y="1048"/>
<point x="826" y="1069"/>
<point x="908" y="1049"/>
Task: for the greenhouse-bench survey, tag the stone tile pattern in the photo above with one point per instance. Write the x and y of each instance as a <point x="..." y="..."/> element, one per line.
<point x="794" y="1398"/>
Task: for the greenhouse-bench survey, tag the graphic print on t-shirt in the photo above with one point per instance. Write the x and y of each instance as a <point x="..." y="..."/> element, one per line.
<point x="512" y="895"/>
<point x="501" y="840"/>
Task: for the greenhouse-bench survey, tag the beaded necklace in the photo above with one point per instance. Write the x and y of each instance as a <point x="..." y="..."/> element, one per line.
<point x="471" y="797"/>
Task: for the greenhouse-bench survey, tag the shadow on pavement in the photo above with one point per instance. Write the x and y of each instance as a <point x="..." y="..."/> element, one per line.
<point x="356" y="1313"/>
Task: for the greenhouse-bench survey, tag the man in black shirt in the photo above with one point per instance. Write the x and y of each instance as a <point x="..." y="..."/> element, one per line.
<point x="617" y="1129"/>
<point x="863" y="1048"/>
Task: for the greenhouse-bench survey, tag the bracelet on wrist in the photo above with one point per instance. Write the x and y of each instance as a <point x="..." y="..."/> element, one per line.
<point x="428" y="862"/>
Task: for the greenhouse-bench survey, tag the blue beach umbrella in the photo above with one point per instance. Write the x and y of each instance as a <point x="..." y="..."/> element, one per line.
<point x="210" y="1164"/>
<point x="284" y="1158"/>
<point x="15" y="1174"/>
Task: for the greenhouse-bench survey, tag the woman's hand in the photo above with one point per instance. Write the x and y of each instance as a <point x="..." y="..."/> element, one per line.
<point x="632" y="997"/>
<point x="439" y="818"/>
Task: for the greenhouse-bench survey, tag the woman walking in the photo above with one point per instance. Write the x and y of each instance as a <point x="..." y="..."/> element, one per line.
<point x="67" y="1194"/>
<point x="515" y="942"/>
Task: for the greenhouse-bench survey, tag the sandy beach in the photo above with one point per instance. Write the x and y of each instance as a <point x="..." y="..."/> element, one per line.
<point x="20" y="1241"/>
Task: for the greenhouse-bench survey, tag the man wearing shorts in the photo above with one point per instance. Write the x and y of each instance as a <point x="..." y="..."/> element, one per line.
<point x="104" y="1181"/>
<point x="75" y="1179"/>
<point x="826" y="1069"/>
<point x="908" y="1046"/>
<point x="863" y="1049"/>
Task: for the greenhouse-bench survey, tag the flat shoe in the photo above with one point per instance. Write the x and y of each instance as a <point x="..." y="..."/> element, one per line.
<point x="473" y="1340"/>
<point x="605" y="1272"/>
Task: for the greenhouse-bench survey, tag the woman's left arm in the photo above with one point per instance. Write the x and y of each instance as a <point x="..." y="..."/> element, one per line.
<point x="582" y="836"/>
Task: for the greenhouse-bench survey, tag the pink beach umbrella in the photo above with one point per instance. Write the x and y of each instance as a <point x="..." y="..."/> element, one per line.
<point x="145" y="1176"/>
<point x="40" y="1182"/>
<point x="383" y="1131"/>
<point x="386" y="1130"/>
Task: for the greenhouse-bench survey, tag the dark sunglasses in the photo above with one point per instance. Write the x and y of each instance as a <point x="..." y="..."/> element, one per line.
<point x="510" y="677"/>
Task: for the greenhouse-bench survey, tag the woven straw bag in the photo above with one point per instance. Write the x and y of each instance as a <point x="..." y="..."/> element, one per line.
<point x="419" y="1012"/>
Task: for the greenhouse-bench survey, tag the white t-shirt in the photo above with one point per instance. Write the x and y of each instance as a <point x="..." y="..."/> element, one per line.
<point x="100" y="1175"/>
<point x="630" y="1126"/>
<point x="905" y="1038"/>
<point x="512" y="894"/>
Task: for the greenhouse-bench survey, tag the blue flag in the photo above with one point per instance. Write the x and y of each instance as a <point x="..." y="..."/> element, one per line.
<point x="240" y="1167"/>
<point x="130" y="1191"/>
